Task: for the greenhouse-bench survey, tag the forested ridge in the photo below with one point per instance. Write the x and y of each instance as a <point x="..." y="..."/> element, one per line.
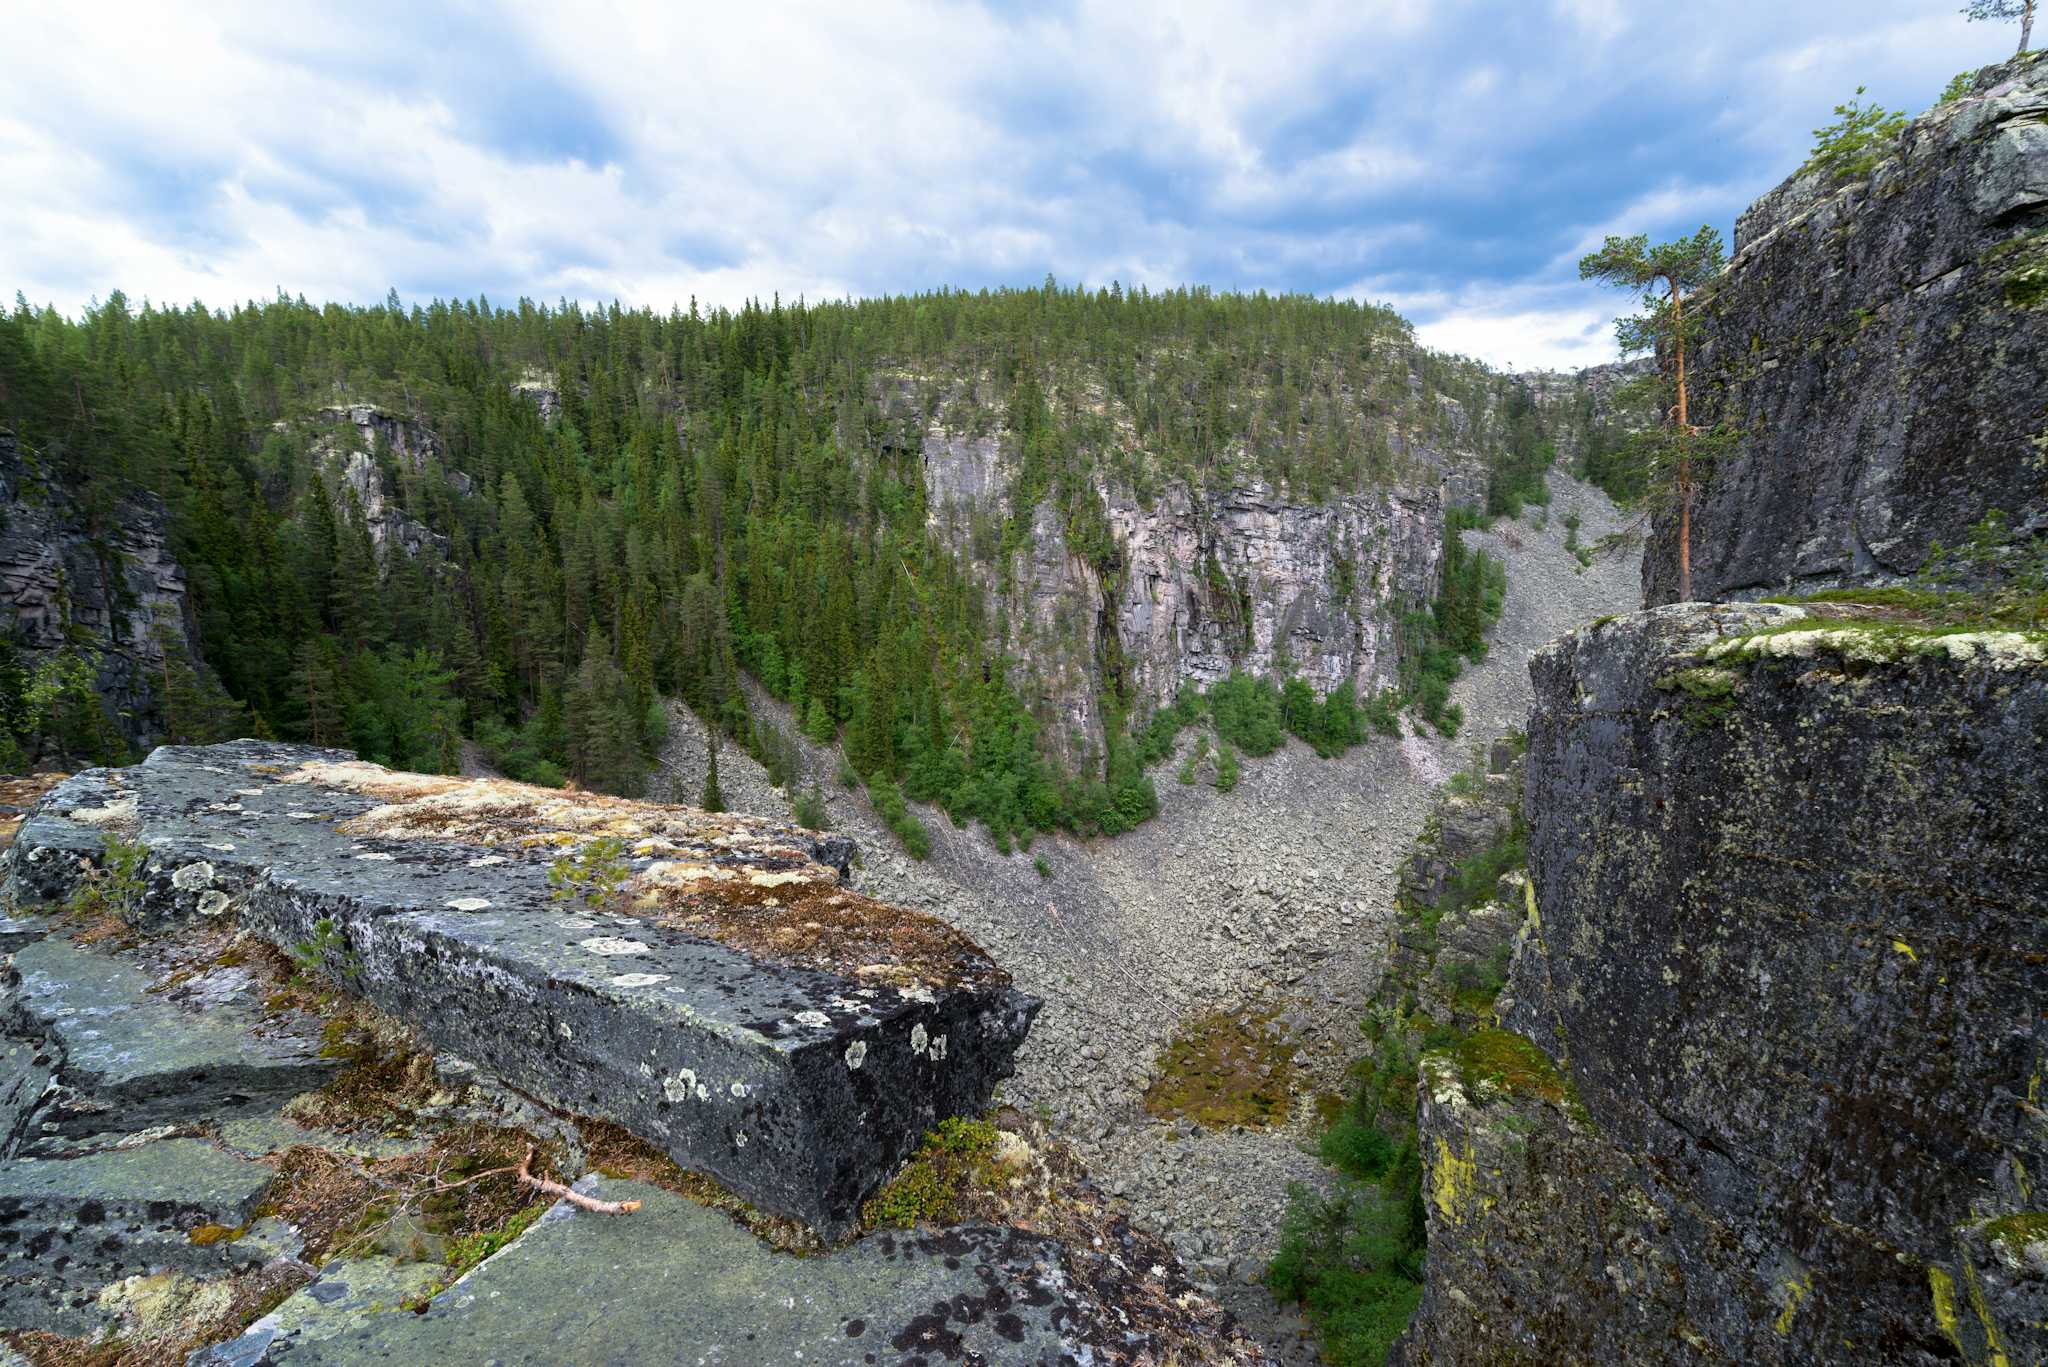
<point x="714" y="492"/>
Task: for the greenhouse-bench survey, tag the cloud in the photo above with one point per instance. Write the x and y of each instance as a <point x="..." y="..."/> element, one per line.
<point x="1454" y="157"/>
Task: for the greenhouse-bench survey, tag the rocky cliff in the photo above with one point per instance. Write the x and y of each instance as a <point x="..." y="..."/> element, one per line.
<point x="346" y="452"/>
<point x="101" y="582"/>
<point x="1774" y="1098"/>
<point x="1194" y="585"/>
<point x="1879" y="346"/>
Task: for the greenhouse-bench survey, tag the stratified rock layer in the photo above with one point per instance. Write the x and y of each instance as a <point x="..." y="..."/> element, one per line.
<point x="1789" y="952"/>
<point x="1882" y="348"/>
<point x="731" y="1003"/>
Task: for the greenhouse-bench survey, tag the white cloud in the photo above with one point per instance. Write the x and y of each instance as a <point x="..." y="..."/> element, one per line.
<point x="1459" y="156"/>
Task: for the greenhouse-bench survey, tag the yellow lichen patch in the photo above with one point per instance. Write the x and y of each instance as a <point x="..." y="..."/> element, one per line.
<point x="1943" y="1288"/>
<point x="371" y="780"/>
<point x="1902" y="947"/>
<point x="1452" y="1179"/>
<point x="1794" y="1292"/>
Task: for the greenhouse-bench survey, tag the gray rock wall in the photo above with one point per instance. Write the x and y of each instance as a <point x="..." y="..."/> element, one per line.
<point x="1882" y="347"/>
<point x="1198" y="586"/>
<point x="103" y="593"/>
<point x="1787" y="957"/>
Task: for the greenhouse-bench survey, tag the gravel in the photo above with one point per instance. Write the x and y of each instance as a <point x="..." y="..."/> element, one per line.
<point x="1279" y="893"/>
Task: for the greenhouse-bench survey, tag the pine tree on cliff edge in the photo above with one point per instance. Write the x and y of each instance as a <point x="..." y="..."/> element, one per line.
<point x="2022" y="10"/>
<point x="1677" y="267"/>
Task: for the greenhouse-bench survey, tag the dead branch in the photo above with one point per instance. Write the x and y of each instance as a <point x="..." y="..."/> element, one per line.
<point x="573" y="1197"/>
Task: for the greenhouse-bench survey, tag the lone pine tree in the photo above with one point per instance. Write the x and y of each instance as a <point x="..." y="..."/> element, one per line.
<point x="1674" y="455"/>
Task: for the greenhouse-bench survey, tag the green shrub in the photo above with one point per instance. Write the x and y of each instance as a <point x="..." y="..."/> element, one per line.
<point x="1226" y="769"/>
<point x="590" y="875"/>
<point x="888" y="800"/>
<point x="1353" y="1261"/>
<point x="808" y="810"/>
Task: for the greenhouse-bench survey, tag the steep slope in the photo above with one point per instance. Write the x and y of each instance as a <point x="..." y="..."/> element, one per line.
<point x="1879" y="346"/>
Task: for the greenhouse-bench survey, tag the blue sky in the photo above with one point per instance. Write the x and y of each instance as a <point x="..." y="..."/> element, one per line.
<point x="1451" y="158"/>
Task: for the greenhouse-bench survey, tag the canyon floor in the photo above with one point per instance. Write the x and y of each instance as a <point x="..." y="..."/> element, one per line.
<point x="1272" y="901"/>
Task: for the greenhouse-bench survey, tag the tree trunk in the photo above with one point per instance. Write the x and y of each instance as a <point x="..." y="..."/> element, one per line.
<point x="1684" y="459"/>
<point x="2026" y="26"/>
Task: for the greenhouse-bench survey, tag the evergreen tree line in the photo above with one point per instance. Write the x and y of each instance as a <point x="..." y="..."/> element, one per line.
<point x="718" y="492"/>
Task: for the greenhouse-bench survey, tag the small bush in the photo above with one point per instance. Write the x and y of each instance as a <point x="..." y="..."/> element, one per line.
<point x="808" y="809"/>
<point x="1858" y="139"/>
<point x="955" y="1159"/>
<point x="888" y="800"/>
<point x="590" y="875"/>
<point x="1226" y="769"/>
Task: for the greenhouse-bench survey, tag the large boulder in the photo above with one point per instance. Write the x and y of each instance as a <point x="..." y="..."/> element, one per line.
<point x="1785" y="966"/>
<point x="705" y="981"/>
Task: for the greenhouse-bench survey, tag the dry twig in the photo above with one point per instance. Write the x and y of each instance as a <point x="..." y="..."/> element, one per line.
<point x="574" y="1198"/>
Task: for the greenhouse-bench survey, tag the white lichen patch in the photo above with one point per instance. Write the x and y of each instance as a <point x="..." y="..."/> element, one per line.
<point x="468" y="904"/>
<point x="816" y="1019"/>
<point x="223" y="806"/>
<point x="611" y="944"/>
<point x="223" y="846"/>
<point x="938" y="1049"/>
<point x="248" y="792"/>
<point x="212" y="902"/>
<point x="193" y="876"/>
<point x="119" y="812"/>
<point x="296" y="816"/>
<point x="562" y="1029"/>
<point x="739" y="1090"/>
<point x="777" y="880"/>
<point x="1996" y="649"/>
<point x="918" y="993"/>
<point x="683" y="1085"/>
<point x="856" y="1053"/>
<point x="918" y="1038"/>
<point x="576" y="923"/>
<point x="376" y="857"/>
<point x="487" y="860"/>
<point x="639" y="979"/>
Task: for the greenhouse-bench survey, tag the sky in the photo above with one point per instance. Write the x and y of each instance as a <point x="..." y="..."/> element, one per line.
<point x="1453" y="158"/>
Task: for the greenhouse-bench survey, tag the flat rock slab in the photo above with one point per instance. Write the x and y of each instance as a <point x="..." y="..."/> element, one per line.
<point x="676" y="1282"/>
<point x="730" y="1002"/>
<point x="132" y="1051"/>
<point x="70" y="1226"/>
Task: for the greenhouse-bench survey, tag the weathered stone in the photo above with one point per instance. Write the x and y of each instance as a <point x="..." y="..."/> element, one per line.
<point x="1882" y="347"/>
<point x="69" y="1227"/>
<point x="131" y="1051"/>
<point x="1788" y="949"/>
<point x="733" y="1005"/>
<point x="676" y="1281"/>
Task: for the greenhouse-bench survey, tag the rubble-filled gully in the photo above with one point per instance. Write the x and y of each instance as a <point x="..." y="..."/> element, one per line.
<point x="1277" y="895"/>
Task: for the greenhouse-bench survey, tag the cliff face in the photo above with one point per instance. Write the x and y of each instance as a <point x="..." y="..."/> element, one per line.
<point x="100" y="585"/>
<point x="344" y="455"/>
<point x="1881" y="346"/>
<point x="1782" y="962"/>
<point x="1196" y="585"/>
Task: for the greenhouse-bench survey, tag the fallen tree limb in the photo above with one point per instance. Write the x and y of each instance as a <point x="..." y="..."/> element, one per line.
<point x="573" y="1197"/>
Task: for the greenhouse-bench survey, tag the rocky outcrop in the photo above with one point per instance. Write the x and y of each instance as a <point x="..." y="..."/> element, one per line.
<point x="105" y="586"/>
<point x="1781" y="961"/>
<point x="704" y="981"/>
<point x="197" y="1126"/>
<point x="539" y="388"/>
<point x="344" y="454"/>
<point x="1192" y="586"/>
<point x="1880" y="347"/>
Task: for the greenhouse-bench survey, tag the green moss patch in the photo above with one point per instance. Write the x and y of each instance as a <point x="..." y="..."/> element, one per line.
<point x="1508" y="1061"/>
<point x="2016" y="1232"/>
<point x="1226" y="1068"/>
<point x="956" y="1160"/>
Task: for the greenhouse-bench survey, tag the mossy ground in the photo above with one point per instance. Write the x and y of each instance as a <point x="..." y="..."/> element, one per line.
<point x="1226" y="1068"/>
<point x="955" y="1160"/>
